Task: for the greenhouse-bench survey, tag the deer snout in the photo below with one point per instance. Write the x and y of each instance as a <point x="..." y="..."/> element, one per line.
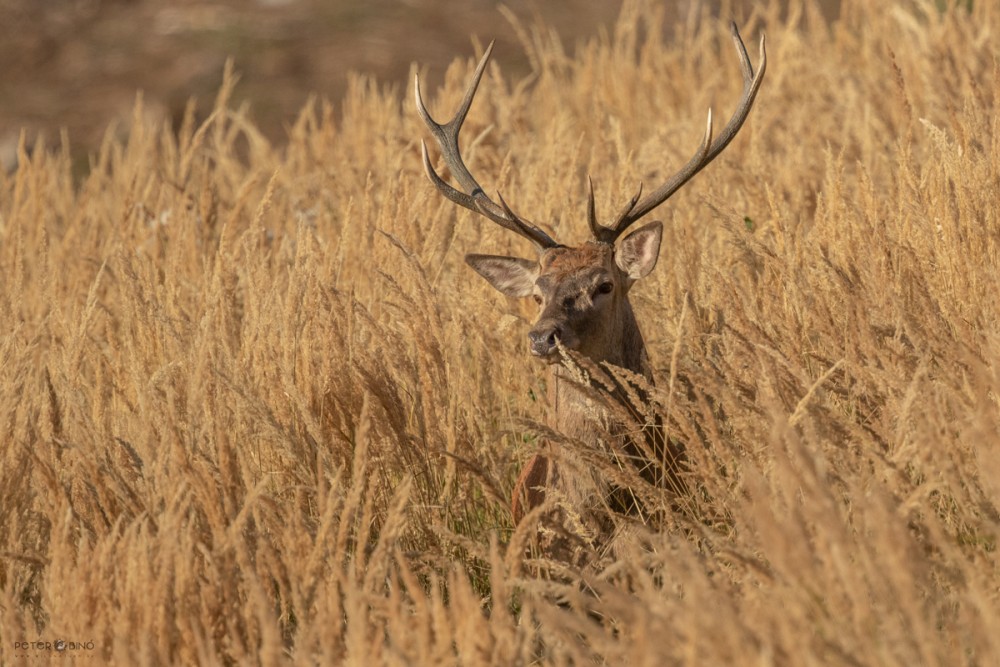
<point x="543" y="339"/>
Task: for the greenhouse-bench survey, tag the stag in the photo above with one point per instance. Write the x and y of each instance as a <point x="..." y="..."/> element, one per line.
<point x="582" y="296"/>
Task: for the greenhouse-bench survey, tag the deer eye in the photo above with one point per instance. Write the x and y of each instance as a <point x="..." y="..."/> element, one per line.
<point x="604" y="288"/>
<point x="537" y="299"/>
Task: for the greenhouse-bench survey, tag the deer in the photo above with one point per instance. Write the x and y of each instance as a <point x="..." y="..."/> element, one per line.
<point x="582" y="294"/>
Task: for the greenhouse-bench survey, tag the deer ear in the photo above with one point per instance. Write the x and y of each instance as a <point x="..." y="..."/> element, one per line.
<point x="637" y="254"/>
<point x="511" y="275"/>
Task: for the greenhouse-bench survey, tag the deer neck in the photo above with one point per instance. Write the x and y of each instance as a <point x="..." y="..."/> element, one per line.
<point x="574" y="413"/>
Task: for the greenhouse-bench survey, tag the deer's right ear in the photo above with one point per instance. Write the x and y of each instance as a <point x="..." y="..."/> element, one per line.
<point x="637" y="253"/>
<point x="511" y="275"/>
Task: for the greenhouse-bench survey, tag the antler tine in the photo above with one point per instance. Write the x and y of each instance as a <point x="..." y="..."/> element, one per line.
<point x="707" y="151"/>
<point x="602" y="233"/>
<point x="471" y="196"/>
<point x="595" y="227"/>
<point x="630" y="204"/>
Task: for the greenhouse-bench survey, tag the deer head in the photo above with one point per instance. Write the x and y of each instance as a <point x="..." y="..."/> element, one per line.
<point x="582" y="292"/>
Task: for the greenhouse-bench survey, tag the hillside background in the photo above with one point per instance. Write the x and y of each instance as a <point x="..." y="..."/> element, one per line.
<point x="78" y="64"/>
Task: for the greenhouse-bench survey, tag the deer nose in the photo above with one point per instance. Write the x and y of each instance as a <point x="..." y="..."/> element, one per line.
<point x="543" y="339"/>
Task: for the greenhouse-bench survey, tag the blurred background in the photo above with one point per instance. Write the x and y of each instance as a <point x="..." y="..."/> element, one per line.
<point x="77" y="64"/>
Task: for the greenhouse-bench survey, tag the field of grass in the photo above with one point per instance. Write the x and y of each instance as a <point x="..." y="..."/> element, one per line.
<point x="254" y="409"/>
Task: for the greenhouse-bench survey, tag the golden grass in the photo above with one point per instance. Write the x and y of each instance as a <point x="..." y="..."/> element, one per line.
<point x="255" y="409"/>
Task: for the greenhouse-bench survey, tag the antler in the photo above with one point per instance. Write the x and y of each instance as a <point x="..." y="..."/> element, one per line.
<point x="707" y="151"/>
<point x="471" y="196"/>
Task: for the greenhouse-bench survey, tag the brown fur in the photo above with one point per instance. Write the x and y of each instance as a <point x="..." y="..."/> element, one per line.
<point x="562" y="261"/>
<point x="529" y="490"/>
<point x="604" y="329"/>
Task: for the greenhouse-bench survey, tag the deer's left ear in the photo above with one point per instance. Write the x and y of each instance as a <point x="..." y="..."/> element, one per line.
<point x="637" y="254"/>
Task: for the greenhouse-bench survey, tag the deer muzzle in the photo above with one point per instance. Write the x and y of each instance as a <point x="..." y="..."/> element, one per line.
<point x="545" y="335"/>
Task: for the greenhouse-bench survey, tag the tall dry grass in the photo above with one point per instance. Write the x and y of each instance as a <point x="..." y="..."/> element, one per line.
<point x="255" y="409"/>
